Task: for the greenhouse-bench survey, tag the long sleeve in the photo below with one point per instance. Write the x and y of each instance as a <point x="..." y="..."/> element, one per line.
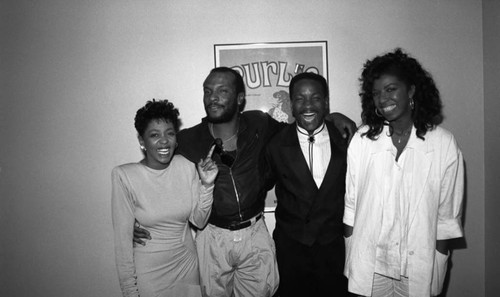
<point x="123" y="223"/>
<point x="273" y="127"/>
<point x="268" y="171"/>
<point x="452" y="192"/>
<point x="202" y="202"/>
<point x="353" y="155"/>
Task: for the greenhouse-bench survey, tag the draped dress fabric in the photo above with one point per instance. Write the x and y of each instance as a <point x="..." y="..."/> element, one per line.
<point x="163" y="202"/>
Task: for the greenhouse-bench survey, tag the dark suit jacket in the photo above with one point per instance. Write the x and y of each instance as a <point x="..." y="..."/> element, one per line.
<point x="304" y="212"/>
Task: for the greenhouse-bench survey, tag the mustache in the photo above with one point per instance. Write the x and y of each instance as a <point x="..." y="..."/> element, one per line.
<point x="214" y="104"/>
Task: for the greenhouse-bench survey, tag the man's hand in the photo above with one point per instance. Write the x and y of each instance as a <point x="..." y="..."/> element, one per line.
<point x="207" y="169"/>
<point x="344" y="124"/>
<point x="140" y="234"/>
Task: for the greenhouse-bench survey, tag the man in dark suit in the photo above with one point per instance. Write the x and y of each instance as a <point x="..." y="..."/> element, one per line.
<point x="307" y="163"/>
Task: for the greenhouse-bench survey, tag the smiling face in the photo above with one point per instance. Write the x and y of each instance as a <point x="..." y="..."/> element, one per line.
<point x="160" y="141"/>
<point x="309" y="104"/>
<point x="391" y="97"/>
<point x="220" y="97"/>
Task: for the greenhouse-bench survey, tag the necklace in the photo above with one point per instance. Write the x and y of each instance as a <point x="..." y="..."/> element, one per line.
<point x="211" y="127"/>
<point x="402" y="134"/>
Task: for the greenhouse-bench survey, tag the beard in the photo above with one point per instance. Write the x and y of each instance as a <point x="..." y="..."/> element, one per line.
<point x="226" y="116"/>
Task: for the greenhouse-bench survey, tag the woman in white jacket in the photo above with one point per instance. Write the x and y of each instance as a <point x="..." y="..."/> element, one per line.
<point x="404" y="184"/>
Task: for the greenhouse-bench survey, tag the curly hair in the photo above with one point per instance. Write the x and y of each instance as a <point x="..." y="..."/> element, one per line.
<point x="427" y="112"/>
<point x="156" y="110"/>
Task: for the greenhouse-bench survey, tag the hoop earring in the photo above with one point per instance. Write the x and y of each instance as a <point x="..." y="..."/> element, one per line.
<point x="412" y="104"/>
<point x="378" y="113"/>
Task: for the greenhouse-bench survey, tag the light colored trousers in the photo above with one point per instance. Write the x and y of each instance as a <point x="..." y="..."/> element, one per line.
<point x="237" y="263"/>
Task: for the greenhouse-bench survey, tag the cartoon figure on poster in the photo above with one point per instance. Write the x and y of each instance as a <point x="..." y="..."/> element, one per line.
<point x="282" y="110"/>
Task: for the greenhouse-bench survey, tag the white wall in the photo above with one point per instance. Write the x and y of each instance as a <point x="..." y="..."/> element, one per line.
<point x="74" y="73"/>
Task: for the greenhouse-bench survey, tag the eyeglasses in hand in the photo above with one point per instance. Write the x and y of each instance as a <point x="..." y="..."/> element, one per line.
<point x="225" y="157"/>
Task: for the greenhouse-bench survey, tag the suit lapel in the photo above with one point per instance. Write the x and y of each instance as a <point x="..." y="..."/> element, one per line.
<point x="295" y="157"/>
<point x="337" y="156"/>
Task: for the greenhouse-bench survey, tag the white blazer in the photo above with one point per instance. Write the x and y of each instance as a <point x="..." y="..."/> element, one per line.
<point x="434" y="214"/>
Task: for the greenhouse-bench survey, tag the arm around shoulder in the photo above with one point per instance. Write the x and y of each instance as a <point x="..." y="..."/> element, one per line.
<point x="344" y="125"/>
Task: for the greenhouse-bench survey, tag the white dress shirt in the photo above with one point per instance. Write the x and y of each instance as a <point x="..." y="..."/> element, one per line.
<point x="321" y="151"/>
<point x="392" y="248"/>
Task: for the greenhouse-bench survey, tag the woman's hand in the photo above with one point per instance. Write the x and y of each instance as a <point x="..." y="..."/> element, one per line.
<point x="348" y="231"/>
<point x="442" y="246"/>
<point x="207" y="169"/>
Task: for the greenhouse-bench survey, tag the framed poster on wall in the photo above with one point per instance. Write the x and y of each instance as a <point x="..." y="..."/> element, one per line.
<point x="267" y="69"/>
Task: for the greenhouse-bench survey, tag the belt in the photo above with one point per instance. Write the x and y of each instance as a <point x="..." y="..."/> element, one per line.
<point x="239" y="225"/>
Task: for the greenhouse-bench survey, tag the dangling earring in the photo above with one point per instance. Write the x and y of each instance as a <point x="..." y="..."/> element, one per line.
<point x="143" y="148"/>
<point x="412" y="103"/>
<point x="378" y="113"/>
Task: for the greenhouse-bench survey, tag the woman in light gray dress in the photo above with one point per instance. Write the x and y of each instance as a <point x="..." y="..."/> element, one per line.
<point x="164" y="193"/>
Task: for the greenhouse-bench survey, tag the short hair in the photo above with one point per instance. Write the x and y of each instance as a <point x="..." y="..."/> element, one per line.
<point x="156" y="110"/>
<point x="308" y="75"/>
<point x="427" y="112"/>
<point x="238" y="79"/>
